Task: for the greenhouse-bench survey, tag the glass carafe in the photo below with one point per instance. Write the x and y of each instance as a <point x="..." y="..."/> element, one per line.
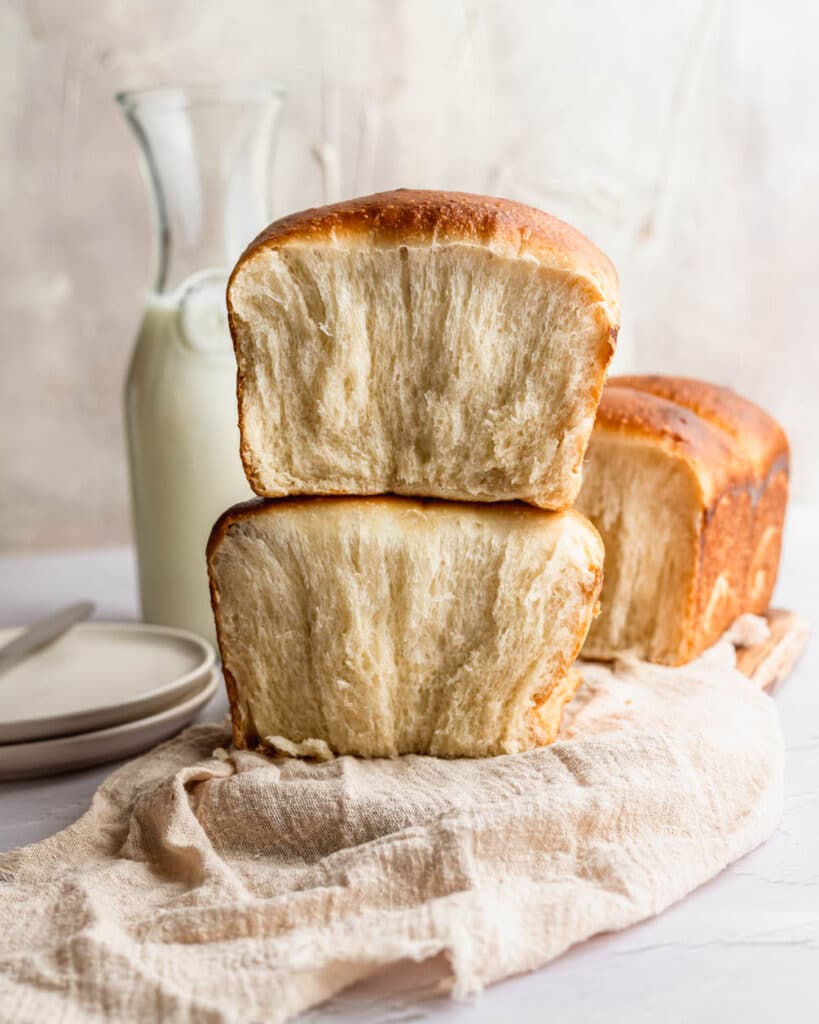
<point x="206" y="153"/>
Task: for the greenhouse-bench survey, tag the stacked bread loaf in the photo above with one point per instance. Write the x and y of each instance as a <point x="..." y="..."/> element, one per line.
<point x="418" y="377"/>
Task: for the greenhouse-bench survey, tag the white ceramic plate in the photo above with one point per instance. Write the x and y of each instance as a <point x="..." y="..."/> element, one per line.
<point x="65" y="753"/>
<point x="97" y="675"/>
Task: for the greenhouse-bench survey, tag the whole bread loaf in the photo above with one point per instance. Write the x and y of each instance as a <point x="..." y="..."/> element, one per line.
<point x="421" y="343"/>
<point x="385" y="626"/>
<point x="687" y="483"/>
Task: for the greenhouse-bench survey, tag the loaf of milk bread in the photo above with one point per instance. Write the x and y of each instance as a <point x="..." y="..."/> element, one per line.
<point x="421" y="343"/>
<point x="385" y="626"/>
<point x="687" y="484"/>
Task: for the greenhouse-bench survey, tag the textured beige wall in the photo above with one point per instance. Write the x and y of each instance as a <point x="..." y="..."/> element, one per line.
<point x="683" y="138"/>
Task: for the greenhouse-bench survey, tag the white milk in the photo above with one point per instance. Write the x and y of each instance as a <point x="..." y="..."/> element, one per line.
<point x="183" y="441"/>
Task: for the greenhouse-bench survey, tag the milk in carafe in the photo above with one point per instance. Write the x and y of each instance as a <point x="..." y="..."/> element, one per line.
<point x="183" y="445"/>
<point x="206" y="153"/>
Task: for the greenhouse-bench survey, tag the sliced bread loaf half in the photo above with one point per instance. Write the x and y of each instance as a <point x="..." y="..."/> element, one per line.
<point x="421" y="343"/>
<point x="384" y="626"/>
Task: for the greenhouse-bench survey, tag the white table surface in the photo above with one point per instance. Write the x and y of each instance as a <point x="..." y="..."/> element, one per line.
<point x="744" y="947"/>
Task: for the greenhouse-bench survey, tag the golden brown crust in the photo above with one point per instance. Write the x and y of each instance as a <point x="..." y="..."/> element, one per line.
<point x="758" y="439"/>
<point x="739" y="456"/>
<point x="411" y="216"/>
<point x="729" y="441"/>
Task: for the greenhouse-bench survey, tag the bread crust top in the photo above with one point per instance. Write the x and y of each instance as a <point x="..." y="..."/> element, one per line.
<point x="728" y="441"/>
<point x="419" y="217"/>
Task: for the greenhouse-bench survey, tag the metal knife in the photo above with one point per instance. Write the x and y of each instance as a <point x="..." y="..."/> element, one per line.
<point x="43" y="632"/>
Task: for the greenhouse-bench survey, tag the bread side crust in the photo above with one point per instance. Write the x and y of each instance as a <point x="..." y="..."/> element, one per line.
<point x="740" y="546"/>
<point x="740" y="457"/>
<point x="242" y="737"/>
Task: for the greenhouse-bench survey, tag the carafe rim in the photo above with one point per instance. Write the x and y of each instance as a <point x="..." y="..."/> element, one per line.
<point x="189" y="94"/>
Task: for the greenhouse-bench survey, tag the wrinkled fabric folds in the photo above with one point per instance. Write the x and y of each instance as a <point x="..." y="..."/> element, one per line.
<point x="203" y="889"/>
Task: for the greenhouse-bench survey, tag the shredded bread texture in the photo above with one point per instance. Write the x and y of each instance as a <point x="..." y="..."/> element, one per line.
<point x="384" y="626"/>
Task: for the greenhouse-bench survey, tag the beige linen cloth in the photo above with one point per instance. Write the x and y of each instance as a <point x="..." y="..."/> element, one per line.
<point x="209" y="890"/>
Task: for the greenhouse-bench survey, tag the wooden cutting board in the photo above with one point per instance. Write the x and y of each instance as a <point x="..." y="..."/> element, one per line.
<point x="772" y="661"/>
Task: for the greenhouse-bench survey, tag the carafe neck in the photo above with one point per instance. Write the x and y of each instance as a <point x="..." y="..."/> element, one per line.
<point x="206" y="153"/>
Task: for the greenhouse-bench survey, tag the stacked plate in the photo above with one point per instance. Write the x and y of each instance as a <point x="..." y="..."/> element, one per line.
<point x="101" y="691"/>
